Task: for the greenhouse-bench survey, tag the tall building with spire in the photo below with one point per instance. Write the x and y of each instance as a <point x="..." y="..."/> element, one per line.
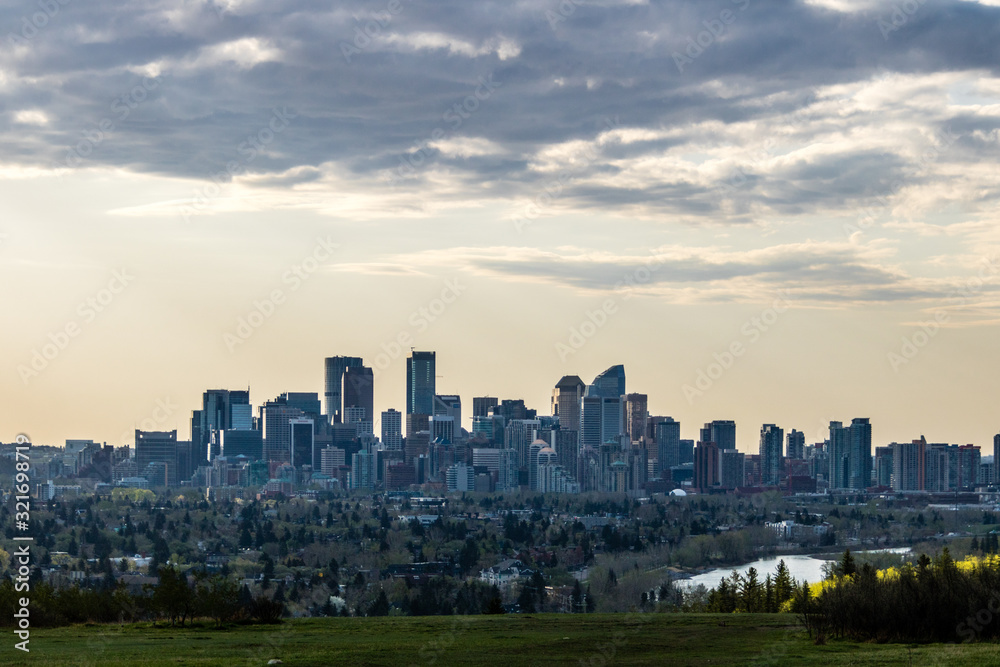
<point x="421" y="382"/>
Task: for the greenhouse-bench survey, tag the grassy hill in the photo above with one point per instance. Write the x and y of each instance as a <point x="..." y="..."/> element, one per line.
<point x="593" y="640"/>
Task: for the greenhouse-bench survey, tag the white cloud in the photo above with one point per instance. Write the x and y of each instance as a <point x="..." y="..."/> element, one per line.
<point x="31" y="117"/>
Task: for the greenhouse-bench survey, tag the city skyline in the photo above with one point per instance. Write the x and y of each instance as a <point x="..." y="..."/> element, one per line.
<point x="535" y="190"/>
<point x="748" y="437"/>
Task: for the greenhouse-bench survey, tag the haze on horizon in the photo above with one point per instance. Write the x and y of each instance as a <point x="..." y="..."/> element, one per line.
<point x="168" y="170"/>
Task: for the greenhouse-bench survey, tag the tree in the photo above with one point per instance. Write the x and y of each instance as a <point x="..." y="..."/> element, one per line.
<point x="526" y="600"/>
<point x="846" y="567"/>
<point x="577" y="597"/>
<point x="218" y="598"/>
<point x="381" y="605"/>
<point x="495" y="603"/>
<point x="173" y="597"/>
<point x="783" y="584"/>
<point x="265" y="610"/>
<point x="538" y="586"/>
<point x="469" y="556"/>
<point x="590" y="602"/>
<point x="751" y="594"/>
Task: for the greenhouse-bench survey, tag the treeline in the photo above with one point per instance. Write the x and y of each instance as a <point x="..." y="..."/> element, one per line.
<point x="749" y="594"/>
<point x="938" y="600"/>
<point x="175" y="599"/>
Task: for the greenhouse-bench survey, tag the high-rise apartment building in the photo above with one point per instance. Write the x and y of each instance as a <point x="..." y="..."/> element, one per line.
<point x="796" y="445"/>
<point x="706" y="466"/>
<point x="839" y="456"/>
<point x="772" y="440"/>
<point x="883" y="466"/>
<point x="996" y="459"/>
<point x="392" y="429"/>
<point x="732" y="471"/>
<point x="861" y="454"/>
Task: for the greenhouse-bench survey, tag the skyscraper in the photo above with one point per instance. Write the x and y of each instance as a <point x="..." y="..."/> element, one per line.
<point x="968" y="467"/>
<point x="359" y="392"/>
<point x="216" y="416"/>
<point x="996" y="459"/>
<point x="449" y="405"/>
<point x="241" y="442"/>
<point x="302" y="433"/>
<point x="612" y="424"/>
<point x="721" y="432"/>
<point x="421" y="381"/>
<point x="275" y="416"/>
<point x="861" y="454"/>
<point x="771" y="442"/>
<point x="334" y="368"/>
<point x="909" y="465"/>
<point x="566" y="401"/>
<point x="514" y="408"/>
<point x="668" y="445"/>
<point x="635" y="416"/>
<point x="839" y="456"/>
<point x="883" y="466"/>
<point x="611" y="383"/>
<point x="518" y="436"/>
<point x="706" y="466"/>
<point x="392" y="429"/>
<point x="732" y="470"/>
<point x="482" y="406"/>
<point x="157" y="447"/>
<point x="796" y="445"/>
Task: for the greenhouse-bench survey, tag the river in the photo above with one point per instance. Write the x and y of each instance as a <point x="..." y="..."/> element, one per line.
<point x="801" y="568"/>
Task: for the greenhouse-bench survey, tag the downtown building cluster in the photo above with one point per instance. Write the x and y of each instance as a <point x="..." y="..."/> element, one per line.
<point x="598" y="437"/>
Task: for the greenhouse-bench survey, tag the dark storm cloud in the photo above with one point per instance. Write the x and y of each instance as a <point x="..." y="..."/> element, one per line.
<point x="366" y="104"/>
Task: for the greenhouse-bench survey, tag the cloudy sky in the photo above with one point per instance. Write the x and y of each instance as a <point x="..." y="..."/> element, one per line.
<point x="768" y="211"/>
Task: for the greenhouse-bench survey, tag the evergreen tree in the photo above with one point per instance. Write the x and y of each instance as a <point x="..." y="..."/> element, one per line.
<point x="783" y="584"/>
<point x="847" y="566"/>
<point x="495" y="603"/>
<point x="381" y="605"/>
<point x="576" y="597"/>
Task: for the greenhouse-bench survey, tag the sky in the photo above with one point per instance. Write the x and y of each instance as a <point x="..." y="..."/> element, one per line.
<point x="773" y="212"/>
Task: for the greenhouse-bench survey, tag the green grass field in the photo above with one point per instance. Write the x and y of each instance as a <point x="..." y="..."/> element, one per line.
<point x="593" y="640"/>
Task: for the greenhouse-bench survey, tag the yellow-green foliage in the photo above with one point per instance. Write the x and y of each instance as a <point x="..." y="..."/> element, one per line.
<point x="134" y="495"/>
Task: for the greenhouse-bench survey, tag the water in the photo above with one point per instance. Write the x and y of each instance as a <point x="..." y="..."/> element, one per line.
<point x="801" y="568"/>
